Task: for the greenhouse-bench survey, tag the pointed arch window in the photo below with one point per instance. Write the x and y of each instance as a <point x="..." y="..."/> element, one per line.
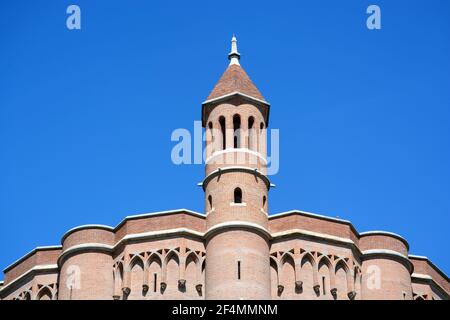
<point x="237" y="131"/>
<point x="211" y="132"/>
<point x="237" y="195"/>
<point x="222" y="131"/>
<point x="251" y="135"/>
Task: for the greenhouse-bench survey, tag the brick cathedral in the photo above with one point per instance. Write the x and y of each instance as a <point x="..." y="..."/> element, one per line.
<point x="235" y="249"/>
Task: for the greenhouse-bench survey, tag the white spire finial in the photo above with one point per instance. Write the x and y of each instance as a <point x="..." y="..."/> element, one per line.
<point x="234" y="55"/>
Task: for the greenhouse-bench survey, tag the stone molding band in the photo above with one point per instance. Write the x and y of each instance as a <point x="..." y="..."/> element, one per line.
<point x="219" y="171"/>
<point x="225" y="226"/>
<point x="390" y="254"/>
<point x="234" y="150"/>
<point x="235" y="94"/>
<point x="86" y="247"/>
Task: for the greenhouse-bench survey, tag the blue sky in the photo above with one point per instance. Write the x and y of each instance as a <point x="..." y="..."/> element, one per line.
<point x="86" y="116"/>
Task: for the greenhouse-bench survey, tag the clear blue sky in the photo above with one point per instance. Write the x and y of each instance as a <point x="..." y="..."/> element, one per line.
<point x="86" y="116"/>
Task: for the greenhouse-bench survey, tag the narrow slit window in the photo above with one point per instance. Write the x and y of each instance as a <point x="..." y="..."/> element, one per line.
<point x="211" y="132"/>
<point x="251" y="137"/>
<point x="323" y="286"/>
<point x="210" y="202"/>
<point x="239" y="270"/>
<point x="155" y="278"/>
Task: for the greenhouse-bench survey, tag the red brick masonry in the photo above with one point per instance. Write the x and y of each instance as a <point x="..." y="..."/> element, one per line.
<point x="303" y="248"/>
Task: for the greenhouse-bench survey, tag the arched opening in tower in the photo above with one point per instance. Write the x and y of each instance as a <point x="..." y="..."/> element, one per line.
<point x="237" y="131"/>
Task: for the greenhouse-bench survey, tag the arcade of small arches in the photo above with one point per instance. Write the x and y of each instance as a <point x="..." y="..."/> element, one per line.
<point x="300" y="274"/>
<point x="250" y="136"/>
<point x="151" y="274"/>
<point x="295" y="274"/>
<point x="44" y="292"/>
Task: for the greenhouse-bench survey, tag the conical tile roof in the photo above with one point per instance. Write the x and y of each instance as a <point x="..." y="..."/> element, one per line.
<point x="235" y="79"/>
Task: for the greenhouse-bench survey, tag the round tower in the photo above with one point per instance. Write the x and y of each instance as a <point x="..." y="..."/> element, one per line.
<point x="235" y="117"/>
<point x="386" y="268"/>
<point x="86" y="271"/>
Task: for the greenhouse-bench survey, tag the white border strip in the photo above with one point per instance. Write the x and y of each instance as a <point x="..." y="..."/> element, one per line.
<point x="376" y="232"/>
<point x="384" y="251"/>
<point x="89" y="226"/>
<point x="418" y="257"/>
<point x="421" y="276"/>
<point x="238" y="150"/>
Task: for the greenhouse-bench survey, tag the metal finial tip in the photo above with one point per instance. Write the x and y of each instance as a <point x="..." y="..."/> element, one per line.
<point x="234" y="55"/>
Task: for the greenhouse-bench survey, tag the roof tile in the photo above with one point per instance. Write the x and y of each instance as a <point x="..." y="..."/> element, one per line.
<point x="235" y="79"/>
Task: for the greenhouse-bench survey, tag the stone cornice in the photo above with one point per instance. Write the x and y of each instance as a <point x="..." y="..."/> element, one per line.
<point x="232" y="94"/>
<point x="237" y="225"/>
<point x="249" y="170"/>
<point x="391" y="254"/>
